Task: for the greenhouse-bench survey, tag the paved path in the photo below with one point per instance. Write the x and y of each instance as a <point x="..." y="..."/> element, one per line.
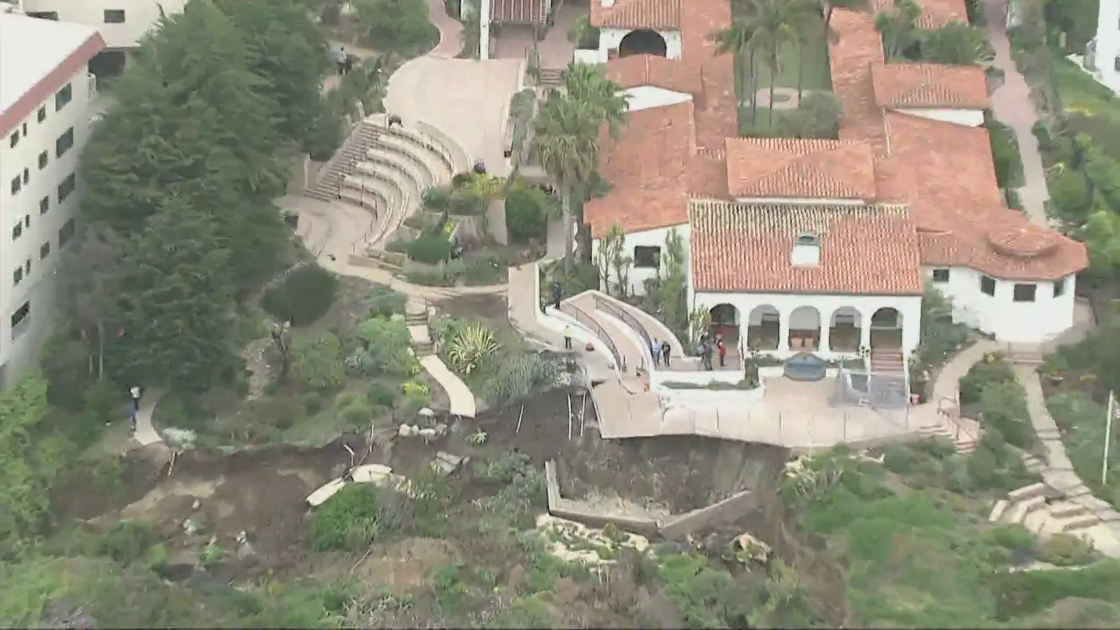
<point x="1012" y="105"/>
<point x="462" y="400"/>
<point x="145" y="433"/>
<point x="1059" y="473"/>
<point x="450" y="31"/>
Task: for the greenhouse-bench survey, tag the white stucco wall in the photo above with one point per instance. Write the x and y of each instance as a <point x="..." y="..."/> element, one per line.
<point x="966" y="117"/>
<point x="910" y="308"/>
<point x="1107" y="44"/>
<point x="1000" y="315"/>
<point x="654" y="238"/>
<point x="610" y="38"/>
<point x="648" y="97"/>
<point x="140" y="16"/>
<point x="39" y="228"/>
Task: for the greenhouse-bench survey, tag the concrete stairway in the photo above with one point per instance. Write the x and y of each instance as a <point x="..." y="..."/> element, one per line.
<point x="886" y="385"/>
<point x="416" y="317"/>
<point x="1044" y="511"/>
<point x="551" y="77"/>
<point x="343" y="162"/>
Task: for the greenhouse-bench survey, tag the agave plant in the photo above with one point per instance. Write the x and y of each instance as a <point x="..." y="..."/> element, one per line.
<point x="473" y="345"/>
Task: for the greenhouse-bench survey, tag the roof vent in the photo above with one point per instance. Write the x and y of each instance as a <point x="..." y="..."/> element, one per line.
<point x="806" y="250"/>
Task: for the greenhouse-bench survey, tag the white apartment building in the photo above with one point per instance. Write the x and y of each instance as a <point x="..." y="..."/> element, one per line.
<point x="45" y="94"/>
<point x="122" y="23"/>
<point x="1103" y="54"/>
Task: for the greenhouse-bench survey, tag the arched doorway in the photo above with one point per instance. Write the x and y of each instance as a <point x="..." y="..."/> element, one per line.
<point x="886" y="329"/>
<point x="804" y="328"/>
<point x="643" y="42"/>
<point x="764" y="327"/>
<point x="844" y="330"/>
<point x="725" y="322"/>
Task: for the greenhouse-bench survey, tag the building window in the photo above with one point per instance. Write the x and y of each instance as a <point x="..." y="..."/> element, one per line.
<point x="1059" y="287"/>
<point x="44" y="204"/>
<point x="66" y="187"/>
<point x="987" y="285"/>
<point x="940" y="275"/>
<point x="114" y="16"/>
<point x="20" y="319"/>
<point x="26" y="176"/>
<point x="63" y="96"/>
<point x="44" y="250"/>
<point x="17" y="276"/>
<point x="27" y="220"/>
<point x="27" y="267"/>
<point x="13" y="140"/>
<point x="16" y="185"/>
<point x="43" y="159"/>
<point x="64" y="142"/>
<point x="42" y="113"/>
<point x="647" y="257"/>
<point x="1024" y="292"/>
<point x="17" y="231"/>
<point x="44" y="15"/>
<point x="65" y="233"/>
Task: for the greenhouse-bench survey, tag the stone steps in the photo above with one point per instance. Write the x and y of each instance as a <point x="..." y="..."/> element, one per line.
<point x="964" y="442"/>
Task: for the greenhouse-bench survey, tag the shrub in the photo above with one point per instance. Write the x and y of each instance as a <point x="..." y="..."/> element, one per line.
<point x="385" y="348"/>
<point x="128" y="541"/>
<point x="398" y="245"/>
<point x="385" y="302"/>
<point x="993" y="369"/>
<point x="380" y="395"/>
<point x="302" y="297"/>
<point x="517" y="377"/>
<point x="1065" y="550"/>
<point x="358" y="412"/>
<point x="446" y="274"/>
<point x="466" y="202"/>
<point x="472" y="347"/>
<point x="1004" y="405"/>
<point x="437" y="197"/>
<point x="416" y="397"/>
<point x="430" y="248"/>
<point x="1005" y="154"/>
<point x="399" y="26"/>
<point x="525" y="213"/>
<point x="348" y="520"/>
<point x="317" y="361"/>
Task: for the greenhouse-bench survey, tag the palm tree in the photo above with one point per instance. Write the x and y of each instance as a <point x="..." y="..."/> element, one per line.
<point x="776" y="22"/>
<point x="739" y="39"/>
<point x="899" y="27"/>
<point x="566" y="144"/>
<point x="590" y="85"/>
<point x="957" y="44"/>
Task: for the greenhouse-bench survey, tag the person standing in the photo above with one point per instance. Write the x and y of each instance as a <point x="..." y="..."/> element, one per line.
<point x="340" y="60"/>
<point x="655" y="350"/>
<point x="567" y="336"/>
<point x="721" y="347"/>
<point x="556" y="295"/>
<point x="665" y="352"/>
<point x="134" y="406"/>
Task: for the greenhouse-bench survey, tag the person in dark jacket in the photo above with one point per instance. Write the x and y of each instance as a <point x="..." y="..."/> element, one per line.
<point x="556" y="293"/>
<point x="665" y="352"/>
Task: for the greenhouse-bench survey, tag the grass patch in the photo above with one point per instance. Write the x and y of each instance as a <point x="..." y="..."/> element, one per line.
<point x="1082" y="425"/>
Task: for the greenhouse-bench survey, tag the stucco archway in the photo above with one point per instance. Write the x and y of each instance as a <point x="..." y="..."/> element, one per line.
<point x="764" y="328"/>
<point x="844" y="329"/>
<point x="643" y="42"/>
<point x="804" y="328"/>
<point x="725" y="322"/>
<point x="886" y="329"/>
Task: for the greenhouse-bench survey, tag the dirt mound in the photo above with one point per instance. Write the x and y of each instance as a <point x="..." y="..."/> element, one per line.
<point x="405" y="565"/>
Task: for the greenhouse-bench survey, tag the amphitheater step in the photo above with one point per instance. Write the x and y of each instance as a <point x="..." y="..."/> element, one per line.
<point x="998" y="510"/>
<point x="1019" y="510"/>
<point x="1035" y="521"/>
<point x="1028" y="492"/>
<point x="1076" y="523"/>
<point x="1066" y="509"/>
<point x="1033" y="464"/>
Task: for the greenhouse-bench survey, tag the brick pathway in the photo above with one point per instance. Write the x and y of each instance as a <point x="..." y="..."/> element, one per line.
<point x="1012" y="105"/>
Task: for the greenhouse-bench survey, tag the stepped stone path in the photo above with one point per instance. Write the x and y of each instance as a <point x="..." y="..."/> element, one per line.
<point x="462" y="400"/>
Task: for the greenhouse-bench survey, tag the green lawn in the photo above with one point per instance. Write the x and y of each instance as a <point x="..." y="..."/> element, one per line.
<point x="1091" y="108"/>
<point x="811" y="61"/>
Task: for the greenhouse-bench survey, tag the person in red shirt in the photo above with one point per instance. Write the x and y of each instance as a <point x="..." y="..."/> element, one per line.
<point x="722" y="348"/>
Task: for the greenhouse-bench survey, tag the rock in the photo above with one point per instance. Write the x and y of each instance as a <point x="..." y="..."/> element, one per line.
<point x="447" y="463"/>
<point x="426" y="413"/>
<point x="191" y="526"/>
<point x="197" y="504"/>
<point x="753" y="549"/>
<point x="408" y="430"/>
<point x="440" y="429"/>
<point x="428" y="434"/>
<point x="245" y="551"/>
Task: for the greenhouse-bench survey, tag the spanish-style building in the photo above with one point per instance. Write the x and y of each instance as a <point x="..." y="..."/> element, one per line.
<point x="821" y="245"/>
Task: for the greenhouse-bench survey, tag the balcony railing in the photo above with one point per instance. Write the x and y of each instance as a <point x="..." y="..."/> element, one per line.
<point x="597" y="330"/>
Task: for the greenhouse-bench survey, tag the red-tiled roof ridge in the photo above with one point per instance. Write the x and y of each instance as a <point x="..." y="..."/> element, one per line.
<point x="649" y="168"/>
<point x="904" y="85"/>
<point x="520" y="11"/>
<point x="651" y="14"/>
<point x="651" y="70"/>
<point x="864" y="249"/>
<point x="810" y="168"/>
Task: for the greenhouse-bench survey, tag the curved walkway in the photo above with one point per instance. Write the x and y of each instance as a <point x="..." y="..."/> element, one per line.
<point x="146" y="433"/>
<point x="1058" y="472"/>
<point x="1012" y="106"/>
<point x="450" y="31"/>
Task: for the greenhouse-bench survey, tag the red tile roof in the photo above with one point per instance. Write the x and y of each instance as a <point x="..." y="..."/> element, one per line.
<point x="781" y="167"/>
<point x="904" y="85"/>
<point x="945" y="173"/>
<point x="520" y="11"/>
<point x="935" y="13"/>
<point x="857" y="47"/>
<point x="670" y="74"/>
<point x="659" y="15"/>
<point x="864" y="250"/>
<point x="648" y="167"/>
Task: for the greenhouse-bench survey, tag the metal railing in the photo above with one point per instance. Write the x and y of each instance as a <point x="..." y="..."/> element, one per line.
<point x="631" y="321"/>
<point x="586" y="320"/>
<point x="958" y="426"/>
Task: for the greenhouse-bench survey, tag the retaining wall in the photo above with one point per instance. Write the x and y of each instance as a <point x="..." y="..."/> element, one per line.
<point x="675" y="527"/>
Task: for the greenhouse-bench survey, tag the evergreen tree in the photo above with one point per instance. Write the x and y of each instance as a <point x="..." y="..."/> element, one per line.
<point x="177" y="305"/>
